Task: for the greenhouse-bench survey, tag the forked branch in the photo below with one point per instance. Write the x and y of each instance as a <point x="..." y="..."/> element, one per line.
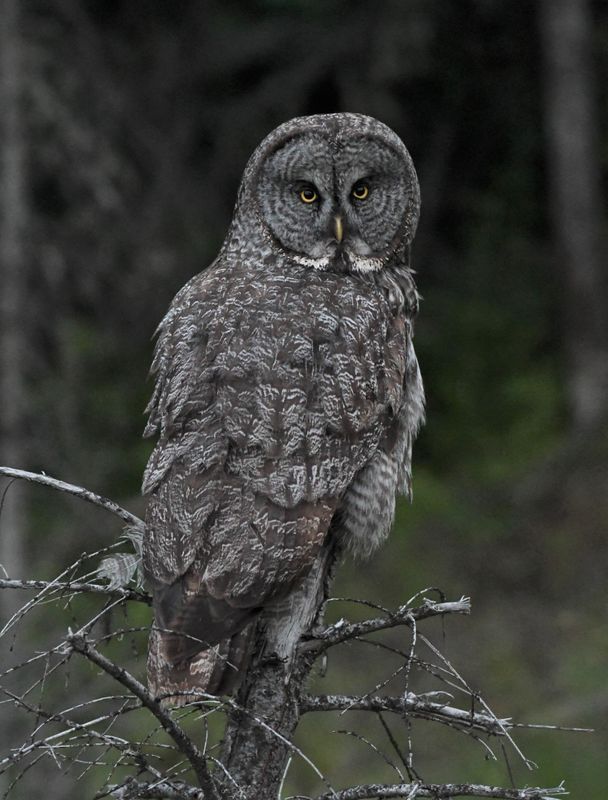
<point x="182" y="740"/>
<point x="342" y="630"/>
<point x="408" y="704"/>
<point x="263" y="718"/>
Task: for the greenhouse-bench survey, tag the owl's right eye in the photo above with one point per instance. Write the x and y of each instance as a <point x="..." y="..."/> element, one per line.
<point x="308" y="195"/>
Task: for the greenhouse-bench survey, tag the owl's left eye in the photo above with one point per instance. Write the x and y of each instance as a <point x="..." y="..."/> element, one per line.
<point x="360" y="190"/>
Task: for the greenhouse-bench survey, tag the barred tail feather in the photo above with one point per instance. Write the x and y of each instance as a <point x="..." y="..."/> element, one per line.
<point x="218" y="670"/>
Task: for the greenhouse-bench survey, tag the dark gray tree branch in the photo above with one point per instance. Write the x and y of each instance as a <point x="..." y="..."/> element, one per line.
<point x="165" y="790"/>
<point x="71" y="726"/>
<point x="441" y="790"/>
<point x="175" y="731"/>
<point x="342" y="631"/>
<point x="69" y="587"/>
<point x="77" y="491"/>
<point x="408" y="704"/>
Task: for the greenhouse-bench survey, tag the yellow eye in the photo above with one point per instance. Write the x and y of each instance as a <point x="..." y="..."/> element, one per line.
<point x="308" y="195"/>
<point x="360" y="191"/>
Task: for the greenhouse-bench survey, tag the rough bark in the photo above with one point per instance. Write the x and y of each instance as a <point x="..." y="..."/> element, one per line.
<point x="260" y="729"/>
<point x="575" y="200"/>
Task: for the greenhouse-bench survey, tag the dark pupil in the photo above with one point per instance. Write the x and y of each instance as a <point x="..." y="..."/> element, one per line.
<point x="309" y="194"/>
<point x="359" y="188"/>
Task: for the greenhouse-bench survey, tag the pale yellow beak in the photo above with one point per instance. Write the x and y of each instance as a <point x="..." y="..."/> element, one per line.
<point x="338" y="229"/>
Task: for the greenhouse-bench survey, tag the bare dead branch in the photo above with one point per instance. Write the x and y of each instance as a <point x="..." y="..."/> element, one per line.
<point x="175" y="731"/>
<point x="342" y="630"/>
<point x="71" y="727"/>
<point x="45" y="593"/>
<point x="441" y="790"/>
<point x="375" y="749"/>
<point x="409" y="704"/>
<point x="77" y="491"/>
<point x="70" y="744"/>
<point x="69" y="587"/>
<point x="228" y="702"/>
<point x="475" y="697"/>
<point x="165" y="790"/>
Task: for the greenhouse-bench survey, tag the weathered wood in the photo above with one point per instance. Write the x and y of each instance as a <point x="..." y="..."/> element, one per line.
<point x="77" y="491"/>
<point x="259" y="732"/>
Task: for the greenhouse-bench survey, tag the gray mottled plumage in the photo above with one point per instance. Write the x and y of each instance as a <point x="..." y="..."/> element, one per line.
<point x="287" y="392"/>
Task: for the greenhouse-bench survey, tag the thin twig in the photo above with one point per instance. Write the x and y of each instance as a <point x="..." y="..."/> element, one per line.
<point x="181" y="739"/>
<point x="228" y="702"/>
<point x="475" y="696"/>
<point x="375" y="749"/>
<point x="342" y="630"/>
<point x="72" y="727"/>
<point x="77" y="491"/>
<point x="78" y="586"/>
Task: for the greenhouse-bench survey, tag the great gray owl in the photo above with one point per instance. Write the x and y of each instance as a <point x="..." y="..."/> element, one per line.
<point x="287" y="392"/>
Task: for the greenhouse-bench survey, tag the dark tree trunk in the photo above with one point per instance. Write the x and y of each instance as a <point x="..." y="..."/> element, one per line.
<point x="12" y="323"/>
<point x="259" y="733"/>
<point x="12" y="284"/>
<point x="574" y="172"/>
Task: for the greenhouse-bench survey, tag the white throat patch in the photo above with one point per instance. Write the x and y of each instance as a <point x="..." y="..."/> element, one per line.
<point x="356" y="263"/>
<point x="315" y="263"/>
<point x="363" y="264"/>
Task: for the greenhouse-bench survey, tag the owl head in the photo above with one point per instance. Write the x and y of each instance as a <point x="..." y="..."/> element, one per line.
<point x="334" y="189"/>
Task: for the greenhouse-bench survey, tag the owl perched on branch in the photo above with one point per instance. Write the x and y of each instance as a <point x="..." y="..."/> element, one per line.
<point x="287" y="393"/>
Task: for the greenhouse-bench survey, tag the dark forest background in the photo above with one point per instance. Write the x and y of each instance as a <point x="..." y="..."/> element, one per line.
<point x="125" y="126"/>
